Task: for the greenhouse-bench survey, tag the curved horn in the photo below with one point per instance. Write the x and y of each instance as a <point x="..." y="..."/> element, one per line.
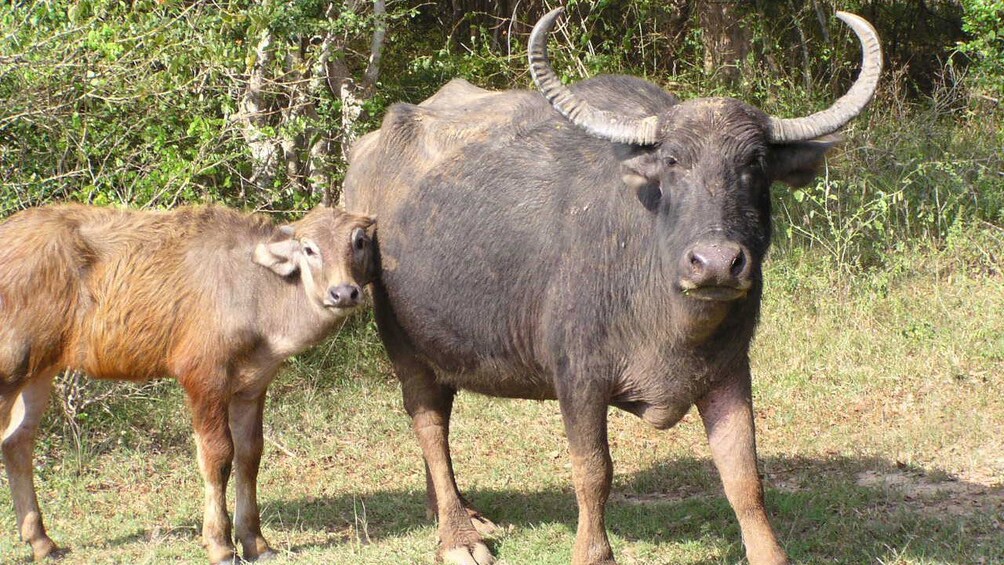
<point x="847" y="106"/>
<point x="605" y="125"/>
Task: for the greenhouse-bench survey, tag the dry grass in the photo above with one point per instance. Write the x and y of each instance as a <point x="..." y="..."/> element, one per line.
<point x="879" y="403"/>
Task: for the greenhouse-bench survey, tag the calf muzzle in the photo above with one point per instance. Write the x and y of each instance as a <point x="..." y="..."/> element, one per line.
<point x="345" y="295"/>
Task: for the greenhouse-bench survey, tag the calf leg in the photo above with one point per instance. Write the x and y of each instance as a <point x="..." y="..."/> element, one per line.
<point x="246" y="427"/>
<point x="215" y="449"/>
<point x="20" y="413"/>
<point x="727" y="412"/>
<point x="585" y="420"/>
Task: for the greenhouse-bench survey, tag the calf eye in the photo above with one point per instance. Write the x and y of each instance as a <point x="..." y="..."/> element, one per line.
<point x="359" y="239"/>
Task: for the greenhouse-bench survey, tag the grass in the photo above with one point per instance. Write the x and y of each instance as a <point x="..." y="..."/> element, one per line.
<point x="879" y="407"/>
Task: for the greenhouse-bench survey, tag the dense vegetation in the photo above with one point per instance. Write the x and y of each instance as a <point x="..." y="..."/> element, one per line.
<point x="879" y="359"/>
<point x="155" y="103"/>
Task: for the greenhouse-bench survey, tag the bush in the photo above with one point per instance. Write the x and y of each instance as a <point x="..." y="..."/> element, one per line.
<point x="983" y="22"/>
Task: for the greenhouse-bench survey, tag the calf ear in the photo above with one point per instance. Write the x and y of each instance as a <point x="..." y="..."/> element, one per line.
<point x="796" y="164"/>
<point x="370" y="226"/>
<point x="281" y="254"/>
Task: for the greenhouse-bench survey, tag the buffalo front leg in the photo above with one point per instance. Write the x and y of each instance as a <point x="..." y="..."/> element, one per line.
<point x="246" y="428"/>
<point x="585" y="420"/>
<point x="20" y="413"/>
<point x="429" y="406"/>
<point x="215" y="449"/>
<point x="481" y="523"/>
<point x="727" y="412"/>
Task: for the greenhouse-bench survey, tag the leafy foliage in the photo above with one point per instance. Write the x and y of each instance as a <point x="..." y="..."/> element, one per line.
<point x="984" y="23"/>
<point x="141" y="103"/>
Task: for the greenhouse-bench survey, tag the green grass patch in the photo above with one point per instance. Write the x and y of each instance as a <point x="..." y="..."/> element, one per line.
<point x="879" y="407"/>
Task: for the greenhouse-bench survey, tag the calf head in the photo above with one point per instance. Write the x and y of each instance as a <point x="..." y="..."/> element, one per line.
<point x="704" y="168"/>
<point x="330" y="250"/>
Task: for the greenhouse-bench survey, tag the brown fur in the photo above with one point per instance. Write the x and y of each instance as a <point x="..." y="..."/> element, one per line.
<point x="212" y="297"/>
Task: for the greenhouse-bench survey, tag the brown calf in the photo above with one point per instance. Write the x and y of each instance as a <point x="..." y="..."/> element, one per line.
<point x="209" y="296"/>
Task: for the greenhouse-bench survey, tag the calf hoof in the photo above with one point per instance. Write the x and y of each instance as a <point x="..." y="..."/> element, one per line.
<point x="266" y="555"/>
<point x="474" y="554"/>
<point x="46" y="549"/>
<point x="257" y="549"/>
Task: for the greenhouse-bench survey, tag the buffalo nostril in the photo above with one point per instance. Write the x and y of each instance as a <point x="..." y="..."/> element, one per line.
<point x="716" y="263"/>
<point x="354" y="294"/>
<point x="738" y="264"/>
<point x="696" y="261"/>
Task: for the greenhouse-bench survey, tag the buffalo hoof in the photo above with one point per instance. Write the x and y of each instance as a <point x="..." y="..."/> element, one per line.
<point x="484" y="526"/>
<point x="228" y="561"/>
<point x="476" y="554"/>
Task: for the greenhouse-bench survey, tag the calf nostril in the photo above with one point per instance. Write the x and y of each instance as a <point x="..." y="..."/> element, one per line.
<point x="344" y="295"/>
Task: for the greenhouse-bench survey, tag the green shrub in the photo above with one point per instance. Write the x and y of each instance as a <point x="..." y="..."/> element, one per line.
<point x="983" y="22"/>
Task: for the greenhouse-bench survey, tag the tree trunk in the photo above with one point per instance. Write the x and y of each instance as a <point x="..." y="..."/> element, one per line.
<point x="726" y="41"/>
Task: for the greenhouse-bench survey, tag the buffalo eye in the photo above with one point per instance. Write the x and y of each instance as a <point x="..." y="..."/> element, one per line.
<point x="670" y="161"/>
<point x="309" y="249"/>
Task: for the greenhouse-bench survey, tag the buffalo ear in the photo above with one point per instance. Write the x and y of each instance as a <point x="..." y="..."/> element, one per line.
<point x="640" y="169"/>
<point x="281" y="254"/>
<point x="641" y="174"/>
<point x="797" y="163"/>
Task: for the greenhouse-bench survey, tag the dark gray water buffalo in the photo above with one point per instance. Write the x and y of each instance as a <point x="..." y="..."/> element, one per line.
<point x="599" y="245"/>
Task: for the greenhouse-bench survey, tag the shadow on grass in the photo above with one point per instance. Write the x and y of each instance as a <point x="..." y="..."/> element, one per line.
<point x="835" y="510"/>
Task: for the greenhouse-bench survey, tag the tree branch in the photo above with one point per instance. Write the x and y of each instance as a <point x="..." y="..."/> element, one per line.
<point x="254" y="116"/>
<point x="372" y="73"/>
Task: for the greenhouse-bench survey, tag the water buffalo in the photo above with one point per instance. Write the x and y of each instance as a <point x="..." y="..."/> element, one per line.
<point x="601" y="245"/>
<point x="212" y="297"/>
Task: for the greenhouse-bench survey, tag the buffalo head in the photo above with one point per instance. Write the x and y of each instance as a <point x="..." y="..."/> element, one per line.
<point x="704" y="166"/>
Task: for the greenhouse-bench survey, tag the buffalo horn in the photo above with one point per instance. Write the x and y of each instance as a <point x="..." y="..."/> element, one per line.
<point x="847" y="106"/>
<point x="605" y="125"/>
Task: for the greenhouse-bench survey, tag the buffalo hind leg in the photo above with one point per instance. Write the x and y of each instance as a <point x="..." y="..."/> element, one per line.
<point x="215" y="449"/>
<point x="727" y="412"/>
<point x="246" y="427"/>
<point x="20" y="413"/>
<point x="585" y="420"/>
